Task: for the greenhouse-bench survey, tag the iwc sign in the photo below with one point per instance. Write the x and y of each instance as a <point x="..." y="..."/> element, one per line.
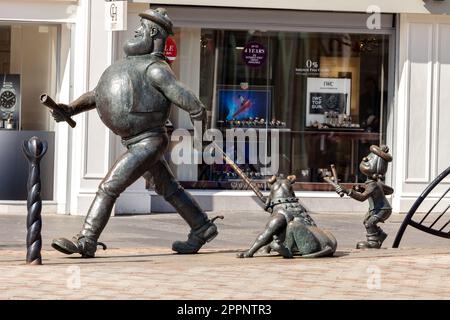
<point x="116" y="15"/>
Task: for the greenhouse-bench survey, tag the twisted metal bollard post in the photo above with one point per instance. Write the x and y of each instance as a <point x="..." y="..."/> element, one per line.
<point x="34" y="149"/>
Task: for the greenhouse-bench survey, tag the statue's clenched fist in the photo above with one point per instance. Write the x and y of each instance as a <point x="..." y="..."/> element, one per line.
<point x="63" y="108"/>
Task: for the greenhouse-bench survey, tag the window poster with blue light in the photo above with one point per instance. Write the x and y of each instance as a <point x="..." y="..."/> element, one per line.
<point x="236" y="103"/>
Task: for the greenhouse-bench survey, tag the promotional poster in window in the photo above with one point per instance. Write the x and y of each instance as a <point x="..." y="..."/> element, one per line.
<point x="239" y="104"/>
<point x="327" y="95"/>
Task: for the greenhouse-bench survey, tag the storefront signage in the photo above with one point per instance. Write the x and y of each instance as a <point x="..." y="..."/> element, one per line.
<point x="254" y="54"/>
<point x="326" y="95"/>
<point x="311" y="68"/>
<point x="170" y="50"/>
<point x="116" y="15"/>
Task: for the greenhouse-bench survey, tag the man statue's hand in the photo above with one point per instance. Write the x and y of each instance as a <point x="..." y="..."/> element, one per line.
<point x="63" y="108"/>
<point x="201" y="116"/>
<point x="204" y="123"/>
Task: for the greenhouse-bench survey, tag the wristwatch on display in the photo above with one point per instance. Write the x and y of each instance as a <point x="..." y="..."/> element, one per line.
<point x="7" y="96"/>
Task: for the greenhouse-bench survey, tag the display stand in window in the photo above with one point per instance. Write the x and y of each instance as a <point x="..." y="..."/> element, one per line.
<point x="328" y="104"/>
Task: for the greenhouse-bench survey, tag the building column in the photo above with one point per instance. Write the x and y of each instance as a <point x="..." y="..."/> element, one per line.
<point x="422" y="148"/>
<point x="92" y="141"/>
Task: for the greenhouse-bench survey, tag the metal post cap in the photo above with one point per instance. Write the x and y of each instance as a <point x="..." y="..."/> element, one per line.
<point x="34" y="148"/>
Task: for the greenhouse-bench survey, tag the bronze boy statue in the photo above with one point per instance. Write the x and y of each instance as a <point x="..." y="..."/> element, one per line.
<point x="374" y="166"/>
<point x="133" y="98"/>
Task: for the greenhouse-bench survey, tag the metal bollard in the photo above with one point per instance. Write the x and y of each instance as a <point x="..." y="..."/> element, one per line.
<point x="34" y="149"/>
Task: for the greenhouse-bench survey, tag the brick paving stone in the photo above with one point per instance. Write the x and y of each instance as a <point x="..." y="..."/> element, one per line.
<point x="404" y="274"/>
<point x="144" y="267"/>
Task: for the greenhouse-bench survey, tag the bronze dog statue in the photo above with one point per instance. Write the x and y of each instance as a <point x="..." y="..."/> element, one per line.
<point x="290" y="230"/>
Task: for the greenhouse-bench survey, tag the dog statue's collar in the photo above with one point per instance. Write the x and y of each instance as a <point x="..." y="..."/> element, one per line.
<point x="278" y="201"/>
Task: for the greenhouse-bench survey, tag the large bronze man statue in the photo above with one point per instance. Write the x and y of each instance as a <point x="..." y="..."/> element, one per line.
<point x="133" y="98"/>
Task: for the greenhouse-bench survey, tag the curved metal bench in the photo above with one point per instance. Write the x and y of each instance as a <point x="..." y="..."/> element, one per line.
<point x="425" y="224"/>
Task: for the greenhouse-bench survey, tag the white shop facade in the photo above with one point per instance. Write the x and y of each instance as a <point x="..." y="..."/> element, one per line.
<point x="391" y="72"/>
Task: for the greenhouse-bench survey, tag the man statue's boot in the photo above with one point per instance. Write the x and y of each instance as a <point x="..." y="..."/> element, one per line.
<point x="196" y="238"/>
<point x="374" y="241"/>
<point x="85" y="243"/>
<point x="79" y="244"/>
<point x="203" y="230"/>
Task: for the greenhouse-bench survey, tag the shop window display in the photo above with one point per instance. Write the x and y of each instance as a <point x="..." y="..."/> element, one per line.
<point x="324" y="92"/>
<point x="29" y="57"/>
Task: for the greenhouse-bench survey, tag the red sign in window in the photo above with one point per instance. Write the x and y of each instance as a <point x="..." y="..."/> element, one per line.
<point x="170" y="50"/>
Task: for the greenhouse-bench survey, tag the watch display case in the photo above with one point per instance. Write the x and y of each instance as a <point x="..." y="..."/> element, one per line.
<point x="10" y="102"/>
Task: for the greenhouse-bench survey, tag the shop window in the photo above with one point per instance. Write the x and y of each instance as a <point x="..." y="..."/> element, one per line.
<point x="325" y="93"/>
<point x="29" y="57"/>
<point x="28" y="68"/>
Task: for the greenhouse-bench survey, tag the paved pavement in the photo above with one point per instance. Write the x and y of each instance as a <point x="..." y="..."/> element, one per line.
<point x="140" y="265"/>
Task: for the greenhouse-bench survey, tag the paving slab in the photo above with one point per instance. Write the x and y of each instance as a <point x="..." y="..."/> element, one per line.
<point x="140" y="265"/>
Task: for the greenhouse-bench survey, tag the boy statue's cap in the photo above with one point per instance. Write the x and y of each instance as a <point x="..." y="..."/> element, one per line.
<point x="382" y="152"/>
<point x="160" y="17"/>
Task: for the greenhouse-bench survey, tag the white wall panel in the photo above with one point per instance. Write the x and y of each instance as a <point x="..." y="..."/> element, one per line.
<point x="443" y="101"/>
<point x="422" y="112"/>
<point x="95" y="150"/>
<point x="96" y="142"/>
<point x="92" y="140"/>
<point x="401" y="6"/>
<point x="80" y="54"/>
<point x="48" y="10"/>
<point x="418" y="109"/>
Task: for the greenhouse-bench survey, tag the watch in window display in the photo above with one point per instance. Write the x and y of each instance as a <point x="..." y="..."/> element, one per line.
<point x="8" y="96"/>
<point x="252" y="123"/>
<point x="10" y="101"/>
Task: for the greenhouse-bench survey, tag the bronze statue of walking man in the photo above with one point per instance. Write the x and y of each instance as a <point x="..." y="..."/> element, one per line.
<point x="133" y="98"/>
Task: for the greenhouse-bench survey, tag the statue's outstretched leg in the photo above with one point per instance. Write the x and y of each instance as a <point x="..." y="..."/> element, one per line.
<point x="266" y="249"/>
<point x="202" y="228"/>
<point x="375" y="235"/>
<point x="274" y="227"/>
<point x="127" y="169"/>
<point x="277" y="244"/>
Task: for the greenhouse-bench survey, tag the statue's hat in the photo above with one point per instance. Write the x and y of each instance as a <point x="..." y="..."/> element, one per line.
<point x="160" y="17"/>
<point x="382" y="152"/>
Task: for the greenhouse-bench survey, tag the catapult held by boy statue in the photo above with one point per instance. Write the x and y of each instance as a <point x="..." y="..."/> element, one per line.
<point x="133" y="98"/>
